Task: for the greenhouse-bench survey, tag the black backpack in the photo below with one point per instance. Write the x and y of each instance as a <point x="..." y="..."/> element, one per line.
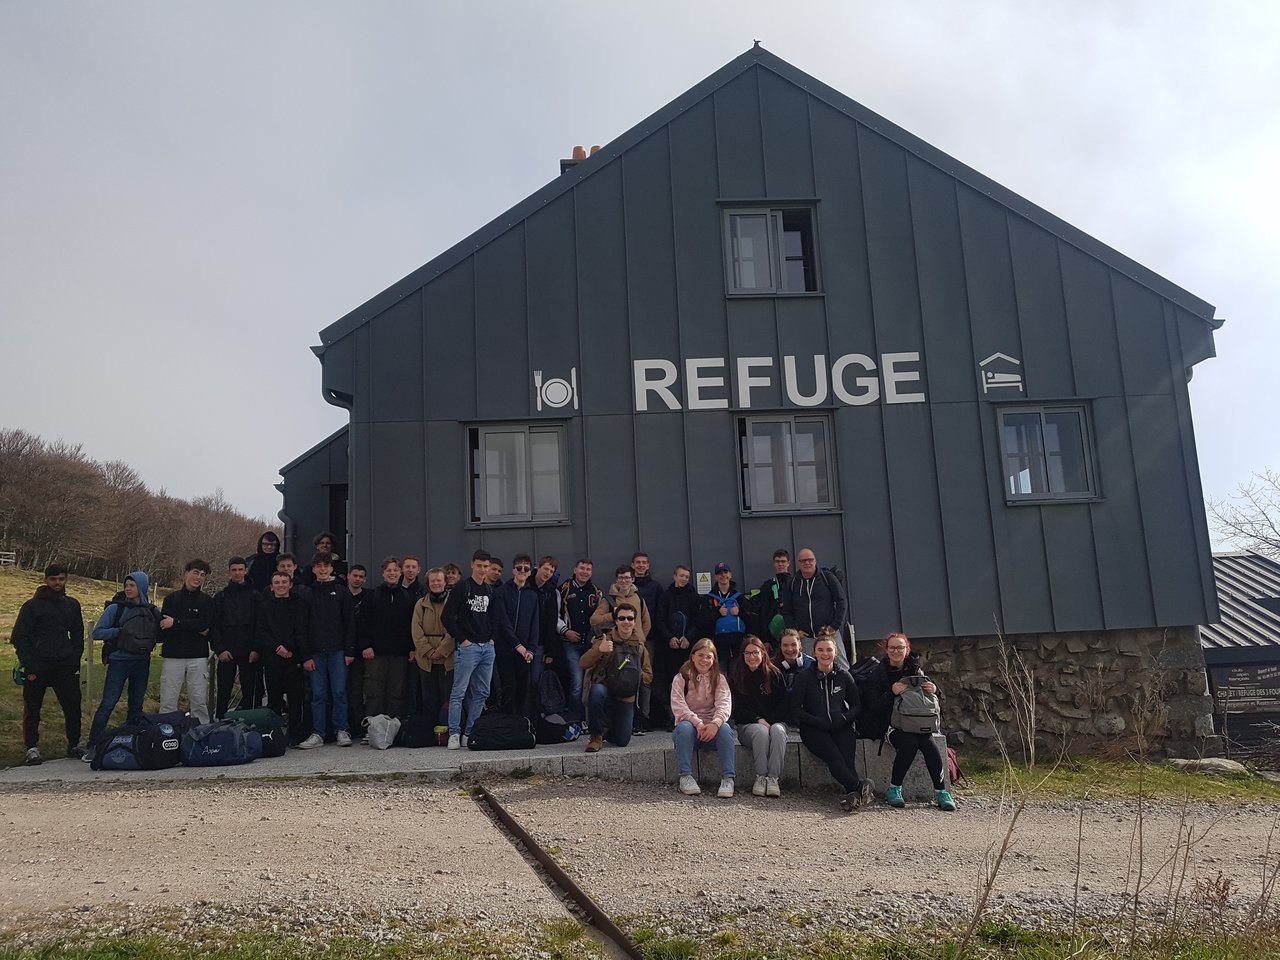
<point x="416" y="731"/>
<point x="551" y="702"/>
<point x="622" y="674"/>
<point x="149" y="742"/>
<point x="138" y="634"/>
<point x="500" y="731"/>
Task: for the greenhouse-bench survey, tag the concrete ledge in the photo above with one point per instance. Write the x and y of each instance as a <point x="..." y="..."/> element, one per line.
<point x="649" y="759"/>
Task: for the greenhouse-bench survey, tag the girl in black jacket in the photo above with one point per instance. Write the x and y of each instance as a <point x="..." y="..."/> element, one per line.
<point x="887" y="681"/>
<point x="825" y="706"/>
<point x="759" y="712"/>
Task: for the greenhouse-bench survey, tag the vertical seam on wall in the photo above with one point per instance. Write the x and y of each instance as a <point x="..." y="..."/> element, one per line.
<point x="631" y="346"/>
<point x="426" y="458"/>
<point x="582" y="419"/>
<point x="985" y="415"/>
<point x="528" y="356"/>
<point x="875" y="336"/>
<point x="937" y="480"/>
<point x="764" y="156"/>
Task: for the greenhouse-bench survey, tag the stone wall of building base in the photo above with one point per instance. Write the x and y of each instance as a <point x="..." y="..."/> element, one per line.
<point x="1110" y="691"/>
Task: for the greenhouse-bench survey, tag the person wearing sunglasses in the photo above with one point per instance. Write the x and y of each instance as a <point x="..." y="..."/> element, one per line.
<point x="616" y="668"/>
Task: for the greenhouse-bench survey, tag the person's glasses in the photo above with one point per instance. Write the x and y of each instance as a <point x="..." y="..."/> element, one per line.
<point x="522" y="568"/>
<point x="625" y="619"/>
<point x="896" y="648"/>
<point x="751" y="653"/>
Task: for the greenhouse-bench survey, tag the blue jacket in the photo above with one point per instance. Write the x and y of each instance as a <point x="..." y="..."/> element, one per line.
<point x="108" y="628"/>
<point x="516" y="616"/>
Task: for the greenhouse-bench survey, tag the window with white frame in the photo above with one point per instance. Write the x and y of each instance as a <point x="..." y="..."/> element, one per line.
<point x="517" y="473"/>
<point x="770" y="251"/>
<point x="1046" y="453"/>
<point x="786" y="463"/>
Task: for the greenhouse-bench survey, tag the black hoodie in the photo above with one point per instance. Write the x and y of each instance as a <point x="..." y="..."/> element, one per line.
<point x="192" y="612"/>
<point x="235" y="614"/>
<point x="827" y="701"/>
<point x="263" y="565"/>
<point x="49" y="630"/>
<point x="386" y="622"/>
<point x="281" y="622"/>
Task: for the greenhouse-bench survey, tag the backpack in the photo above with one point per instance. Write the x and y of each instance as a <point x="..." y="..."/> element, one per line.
<point x="382" y="730"/>
<point x="417" y="731"/>
<point x="137" y="634"/>
<point x="915" y="711"/>
<point x="622" y="674"/>
<point x="221" y="743"/>
<point x="149" y="742"/>
<point x="862" y="671"/>
<point x="500" y="731"/>
<point x="270" y="726"/>
<point x="551" y="700"/>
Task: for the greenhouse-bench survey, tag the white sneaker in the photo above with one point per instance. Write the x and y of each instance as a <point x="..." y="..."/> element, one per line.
<point x="313" y="741"/>
<point x="759" y="787"/>
<point x="771" y="787"/>
<point x="344" y="738"/>
<point x="689" y="786"/>
<point x="464" y="739"/>
<point x="454" y="741"/>
<point x="726" y="789"/>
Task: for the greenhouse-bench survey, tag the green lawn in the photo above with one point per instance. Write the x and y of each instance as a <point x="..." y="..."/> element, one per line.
<point x="17" y="587"/>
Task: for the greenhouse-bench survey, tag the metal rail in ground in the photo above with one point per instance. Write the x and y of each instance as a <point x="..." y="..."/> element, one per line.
<point x="554" y="876"/>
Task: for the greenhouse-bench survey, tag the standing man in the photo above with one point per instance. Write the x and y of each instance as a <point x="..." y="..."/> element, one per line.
<point x="495" y="573"/>
<point x="264" y="561"/>
<point x="235" y="618"/>
<point x="49" y="637"/>
<point x="769" y="627"/>
<point x="624" y="588"/>
<point x="546" y="580"/>
<point x="409" y="571"/>
<point x="722" y="615"/>
<point x="579" y="598"/>
<point x="467" y="618"/>
<point x="386" y="643"/>
<point x="651" y="593"/>
<point x="815" y="599"/>
<point x="433" y="647"/>
<point x="184" y="650"/>
<point x="356" y="577"/>
<point x="328" y="645"/>
<point x="518" y="635"/>
<point x="282" y="622"/>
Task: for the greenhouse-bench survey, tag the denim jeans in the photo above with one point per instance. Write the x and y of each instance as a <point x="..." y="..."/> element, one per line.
<point x="573" y="670"/>
<point x="620" y="715"/>
<point x="686" y="740"/>
<point x="121" y="668"/>
<point x="329" y="678"/>
<point x="472" y="671"/>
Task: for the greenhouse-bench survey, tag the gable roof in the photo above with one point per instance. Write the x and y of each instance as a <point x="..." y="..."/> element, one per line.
<point x="757" y="56"/>
<point x="337" y="434"/>
<point x="1243" y="578"/>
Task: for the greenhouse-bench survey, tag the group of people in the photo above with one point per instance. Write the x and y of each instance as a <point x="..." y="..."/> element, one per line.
<point x="325" y="650"/>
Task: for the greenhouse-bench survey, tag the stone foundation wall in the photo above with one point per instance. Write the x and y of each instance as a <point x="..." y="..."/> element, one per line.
<point x="1093" y="690"/>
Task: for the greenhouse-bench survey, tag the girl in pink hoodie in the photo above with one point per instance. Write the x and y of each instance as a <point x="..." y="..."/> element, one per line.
<point x="701" y="704"/>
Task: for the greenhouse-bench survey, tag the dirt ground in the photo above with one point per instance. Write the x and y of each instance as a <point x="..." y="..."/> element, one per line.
<point x="416" y="854"/>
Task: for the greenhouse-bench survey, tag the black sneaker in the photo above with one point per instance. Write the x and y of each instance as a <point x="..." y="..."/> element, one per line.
<point x="33" y="758"/>
<point x="75" y="753"/>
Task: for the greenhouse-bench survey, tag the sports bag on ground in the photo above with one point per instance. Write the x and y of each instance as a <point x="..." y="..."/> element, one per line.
<point x="553" y="729"/>
<point x="149" y="742"/>
<point x="221" y="743"/>
<point x="915" y="711"/>
<point x="499" y="731"/>
<point x="381" y="730"/>
<point x="417" y="731"/>
<point x="622" y="675"/>
<point x="270" y="726"/>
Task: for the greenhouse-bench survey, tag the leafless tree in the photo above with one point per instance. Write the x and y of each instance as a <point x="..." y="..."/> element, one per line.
<point x="1250" y="518"/>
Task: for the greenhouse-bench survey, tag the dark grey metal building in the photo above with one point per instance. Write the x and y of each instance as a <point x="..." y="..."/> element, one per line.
<point x="763" y="317"/>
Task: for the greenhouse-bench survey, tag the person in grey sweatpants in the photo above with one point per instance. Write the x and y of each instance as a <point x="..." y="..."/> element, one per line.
<point x="760" y="712"/>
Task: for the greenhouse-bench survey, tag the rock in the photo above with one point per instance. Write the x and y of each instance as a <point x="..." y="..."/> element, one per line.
<point x="1109" y="724"/>
<point x="1076" y="645"/>
<point x="1210" y="765"/>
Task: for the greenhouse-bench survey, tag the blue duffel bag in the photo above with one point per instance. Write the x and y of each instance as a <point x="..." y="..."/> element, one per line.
<point x="220" y="744"/>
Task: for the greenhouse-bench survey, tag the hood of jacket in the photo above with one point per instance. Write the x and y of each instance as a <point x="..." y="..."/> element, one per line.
<point x="143" y="583"/>
<point x="269" y="536"/>
<point x="44" y="593"/>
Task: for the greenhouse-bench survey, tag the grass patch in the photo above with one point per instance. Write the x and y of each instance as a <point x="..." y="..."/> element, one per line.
<point x="1110" y="780"/>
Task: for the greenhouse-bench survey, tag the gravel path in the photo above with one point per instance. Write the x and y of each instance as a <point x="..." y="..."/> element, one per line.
<point x="377" y="858"/>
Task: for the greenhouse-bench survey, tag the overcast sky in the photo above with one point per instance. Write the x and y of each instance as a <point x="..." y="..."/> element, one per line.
<point x="190" y="192"/>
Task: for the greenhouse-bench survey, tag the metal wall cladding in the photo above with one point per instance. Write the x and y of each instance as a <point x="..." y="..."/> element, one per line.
<point x="307" y="482"/>
<point x="625" y="260"/>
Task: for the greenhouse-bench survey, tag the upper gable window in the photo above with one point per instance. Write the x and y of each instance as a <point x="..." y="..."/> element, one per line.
<point x="517" y="473"/>
<point x="770" y="251"/>
<point x="1047" y="454"/>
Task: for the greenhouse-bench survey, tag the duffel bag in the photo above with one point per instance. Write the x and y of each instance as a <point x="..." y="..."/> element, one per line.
<point x="381" y="730"/>
<point x="149" y="742"/>
<point x="221" y="743"/>
<point x="416" y="731"/>
<point x="499" y="731"/>
<point x="269" y="724"/>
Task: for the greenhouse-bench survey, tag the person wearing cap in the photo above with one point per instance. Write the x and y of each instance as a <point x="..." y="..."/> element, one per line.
<point x="469" y="619"/>
<point x="49" y="637"/>
<point x="722" y="615"/>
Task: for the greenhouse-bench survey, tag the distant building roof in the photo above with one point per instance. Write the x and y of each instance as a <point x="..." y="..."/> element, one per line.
<point x="1249" y="601"/>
